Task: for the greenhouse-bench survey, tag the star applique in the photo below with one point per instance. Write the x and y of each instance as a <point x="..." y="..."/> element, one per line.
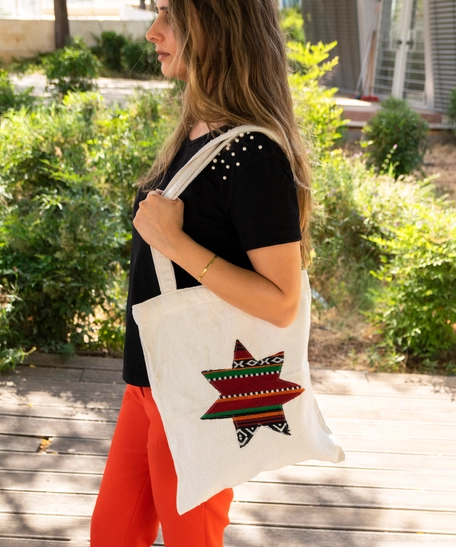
<point x="252" y="394"/>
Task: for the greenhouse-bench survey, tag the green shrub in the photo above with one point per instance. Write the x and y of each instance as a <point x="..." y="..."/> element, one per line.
<point x="395" y="138"/>
<point x="73" y="68"/>
<point x="140" y="58"/>
<point x="416" y="303"/>
<point x="343" y="253"/>
<point x="65" y="220"/>
<point x="10" y="98"/>
<point x="315" y="108"/>
<point x="292" y="24"/>
<point x="109" y="49"/>
<point x="387" y="248"/>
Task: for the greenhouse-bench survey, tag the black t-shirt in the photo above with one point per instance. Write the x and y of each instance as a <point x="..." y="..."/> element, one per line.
<point x="243" y="200"/>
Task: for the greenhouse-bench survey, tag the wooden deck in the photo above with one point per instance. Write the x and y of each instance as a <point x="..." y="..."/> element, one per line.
<point x="397" y="487"/>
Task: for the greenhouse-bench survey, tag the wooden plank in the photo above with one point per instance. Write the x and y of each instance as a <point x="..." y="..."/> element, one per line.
<point x="330" y="376"/>
<point x="382" y="445"/>
<point x="45" y="503"/>
<point x="48" y="427"/>
<point x="25" y="463"/>
<point x="19" y="542"/>
<point x="58" y="445"/>
<point x="76" y="361"/>
<point x="384" y="390"/>
<point x="397" y="462"/>
<point x="346" y="496"/>
<point x="399" y="430"/>
<point x="62" y="483"/>
<point x="101" y="376"/>
<point x="362" y="402"/>
<point x="343" y="518"/>
<point x="15" y="443"/>
<point x="412" y="379"/>
<point x="67" y="391"/>
<point x="45" y="411"/>
<point x="31" y="372"/>
<point x="338" y="476"/>
<point x="268" y="536"/>
<point x="391" y="414"/>
<point x="44" y="526"/>
<point x="89" y="400"/>
<point x="90" y="447"/>
<point x="59" y="531"/>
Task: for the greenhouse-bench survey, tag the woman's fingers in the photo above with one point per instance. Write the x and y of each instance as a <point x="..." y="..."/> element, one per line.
<point x="159" y="221"/>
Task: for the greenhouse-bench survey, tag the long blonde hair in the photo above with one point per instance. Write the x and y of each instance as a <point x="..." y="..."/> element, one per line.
<point x="237" y="74"/>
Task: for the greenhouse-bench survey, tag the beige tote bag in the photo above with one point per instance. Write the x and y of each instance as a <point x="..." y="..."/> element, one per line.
<point x="233" y="391"/>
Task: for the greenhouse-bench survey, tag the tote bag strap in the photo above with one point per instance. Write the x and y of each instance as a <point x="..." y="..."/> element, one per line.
<point x="183" y="178"/>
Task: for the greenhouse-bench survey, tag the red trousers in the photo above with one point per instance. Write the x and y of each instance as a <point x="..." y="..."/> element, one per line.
<point x="138" y="490"/>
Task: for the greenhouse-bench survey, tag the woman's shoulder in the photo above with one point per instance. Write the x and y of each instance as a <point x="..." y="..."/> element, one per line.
<point x="250" y="165"/>
<point x="251" y="149"/>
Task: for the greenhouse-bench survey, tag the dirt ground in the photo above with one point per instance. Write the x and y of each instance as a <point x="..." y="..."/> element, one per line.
<point x="343" y="342"/>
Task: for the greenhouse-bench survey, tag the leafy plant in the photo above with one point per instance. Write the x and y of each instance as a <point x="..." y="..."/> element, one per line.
<point x="292" y="24"/>
<point x="315" y="107"/>
<point x="10" y="98"/>
<point x="415" y="306"/>
<point x="65" y="219"/>
<point x="109" y="49"/>
<point x="405" y="236"/>
<point x="73" y="68"/>
<point x="343" y="252"/>
<point x="140" y="58"/>
<point x="395" y="139"/>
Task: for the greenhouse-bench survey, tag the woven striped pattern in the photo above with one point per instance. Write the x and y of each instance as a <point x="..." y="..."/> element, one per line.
<point x="251" y="393"/>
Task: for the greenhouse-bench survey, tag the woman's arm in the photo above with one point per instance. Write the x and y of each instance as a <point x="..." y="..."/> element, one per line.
<point x="271" y="292"/>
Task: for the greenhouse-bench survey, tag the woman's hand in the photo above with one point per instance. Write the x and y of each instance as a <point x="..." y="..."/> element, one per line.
<point x="159" y="222"/>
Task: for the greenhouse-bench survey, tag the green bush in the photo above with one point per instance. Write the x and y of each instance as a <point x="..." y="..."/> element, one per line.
<point x="315" y="108"/>
<point x="65" y="222"/>
<point x="395" y="138"/>
<point x="73" y="68"/>
<point x="415" y="305"/>
<point x="343" y="253"/>
<point x="123" y="56"/>
<point x="10" y="98"/>
<point x="139" y="58"/>
<point x="292" y="24"/>
<point x="109" y="49"/>
<point x="387" y="248"/>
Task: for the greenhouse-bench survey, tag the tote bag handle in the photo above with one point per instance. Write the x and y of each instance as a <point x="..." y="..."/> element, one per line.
<point x="183" y="178"/>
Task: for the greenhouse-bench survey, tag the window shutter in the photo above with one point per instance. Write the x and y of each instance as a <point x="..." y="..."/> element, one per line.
<point x="329" y="20"/>
<point x="442" y="25"/>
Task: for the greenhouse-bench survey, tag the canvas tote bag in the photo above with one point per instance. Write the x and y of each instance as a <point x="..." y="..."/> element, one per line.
<point x="233" y="391"/>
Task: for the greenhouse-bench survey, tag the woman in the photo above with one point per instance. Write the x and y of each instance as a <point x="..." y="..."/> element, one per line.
<point x="240" y="228"/>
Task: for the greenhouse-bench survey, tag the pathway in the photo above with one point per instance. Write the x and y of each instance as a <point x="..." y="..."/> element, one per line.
<point x="397" y="486"/>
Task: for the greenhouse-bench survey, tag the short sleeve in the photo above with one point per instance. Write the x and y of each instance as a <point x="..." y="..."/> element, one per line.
<point x="263" y="204"/>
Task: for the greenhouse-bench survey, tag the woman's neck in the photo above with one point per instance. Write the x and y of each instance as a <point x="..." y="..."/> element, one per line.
<point x="201" y="128"/>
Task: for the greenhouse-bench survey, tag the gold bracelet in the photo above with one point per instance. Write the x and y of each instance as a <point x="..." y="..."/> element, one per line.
<point x="206" y="268"/>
